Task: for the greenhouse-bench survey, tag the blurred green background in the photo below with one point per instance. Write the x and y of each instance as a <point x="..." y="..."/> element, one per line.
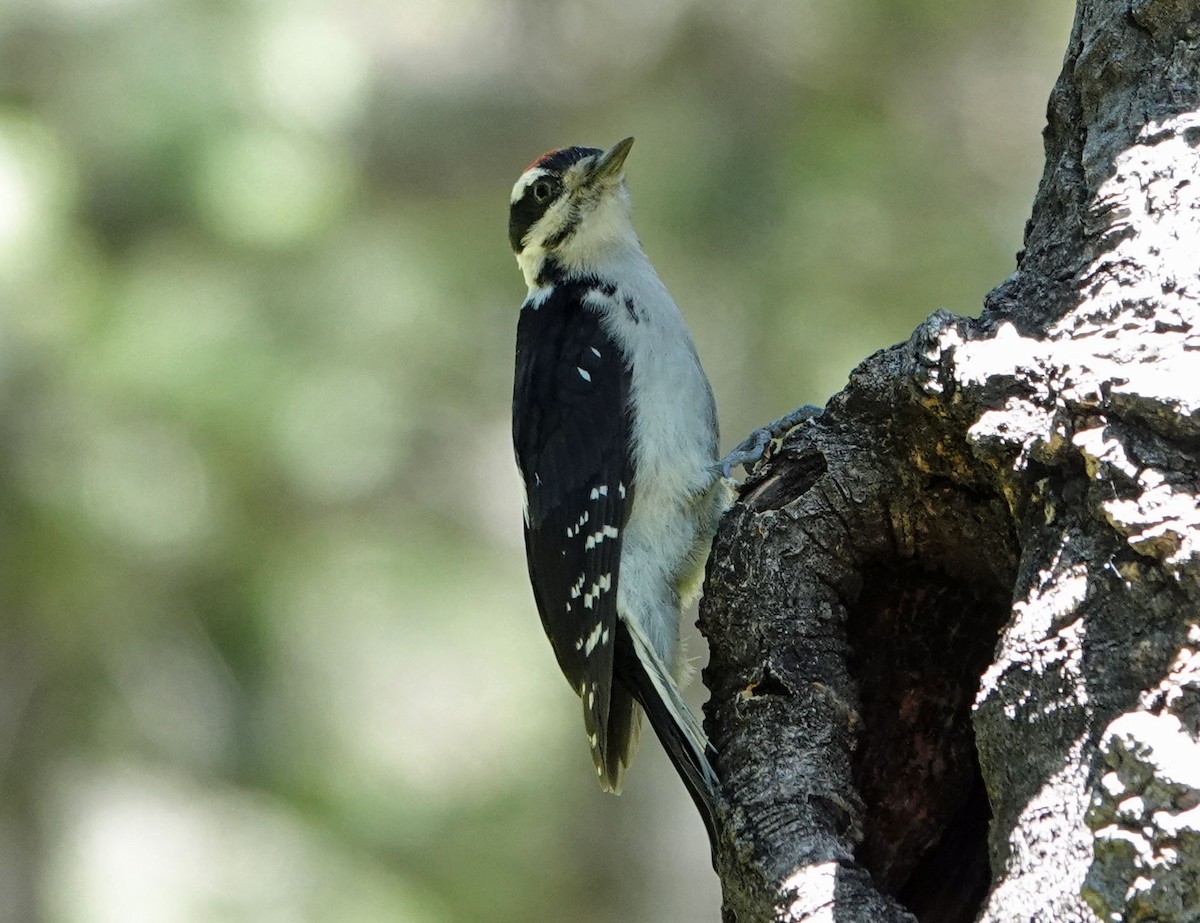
<point x="267" y="647"/>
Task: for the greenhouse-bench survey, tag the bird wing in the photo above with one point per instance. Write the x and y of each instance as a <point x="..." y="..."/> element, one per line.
<point x="571" y="432"/>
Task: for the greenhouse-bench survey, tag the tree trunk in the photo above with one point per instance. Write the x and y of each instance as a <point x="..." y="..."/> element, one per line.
<point x="955" y="663"/>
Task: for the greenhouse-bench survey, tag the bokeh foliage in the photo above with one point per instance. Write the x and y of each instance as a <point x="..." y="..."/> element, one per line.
<point x="267" y="650"/>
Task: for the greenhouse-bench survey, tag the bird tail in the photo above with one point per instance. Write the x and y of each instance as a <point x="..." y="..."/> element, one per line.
<point x="649" y="681"/>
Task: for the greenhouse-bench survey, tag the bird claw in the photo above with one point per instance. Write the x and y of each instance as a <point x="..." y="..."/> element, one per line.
<point x="747" y="452"/>
<point x="752" y="448"/>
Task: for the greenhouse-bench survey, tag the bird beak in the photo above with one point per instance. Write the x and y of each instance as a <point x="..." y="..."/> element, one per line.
<point x="609" y="164"/>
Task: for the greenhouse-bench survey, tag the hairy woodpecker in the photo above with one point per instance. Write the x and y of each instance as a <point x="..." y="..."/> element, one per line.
<point x="615" y="433"/>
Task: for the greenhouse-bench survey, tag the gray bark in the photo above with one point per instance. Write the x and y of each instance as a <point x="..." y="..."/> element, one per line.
<point x="955" y="622"/>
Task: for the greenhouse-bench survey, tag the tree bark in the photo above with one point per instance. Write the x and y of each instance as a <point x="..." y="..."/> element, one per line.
<point x="955" y="622"/>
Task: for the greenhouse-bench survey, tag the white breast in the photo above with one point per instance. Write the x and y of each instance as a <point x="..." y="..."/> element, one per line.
<point x="674" y="447"/>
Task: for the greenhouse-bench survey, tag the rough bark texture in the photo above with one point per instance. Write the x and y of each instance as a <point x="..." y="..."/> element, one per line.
<point x="955" y="664"/>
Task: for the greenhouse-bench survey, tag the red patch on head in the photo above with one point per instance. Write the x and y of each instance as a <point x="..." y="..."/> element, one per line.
<point x="538" y="161"/>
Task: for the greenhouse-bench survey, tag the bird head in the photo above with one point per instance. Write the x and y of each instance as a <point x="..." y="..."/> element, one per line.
<point x="570" y="206"/>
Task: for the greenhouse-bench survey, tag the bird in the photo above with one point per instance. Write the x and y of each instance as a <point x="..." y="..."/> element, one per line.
<point x="616" y="440"/>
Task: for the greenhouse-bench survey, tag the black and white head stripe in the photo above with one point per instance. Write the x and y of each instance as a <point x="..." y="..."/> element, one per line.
<point x="541" y="186"/>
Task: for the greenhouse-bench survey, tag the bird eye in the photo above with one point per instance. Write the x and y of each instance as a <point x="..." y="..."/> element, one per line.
<point x="542" y="190"/>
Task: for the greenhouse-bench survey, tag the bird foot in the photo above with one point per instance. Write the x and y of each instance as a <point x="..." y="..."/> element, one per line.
<point x="751" y="449"/>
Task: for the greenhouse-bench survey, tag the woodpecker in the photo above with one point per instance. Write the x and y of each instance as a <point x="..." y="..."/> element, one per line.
<point x="615" y="433"/>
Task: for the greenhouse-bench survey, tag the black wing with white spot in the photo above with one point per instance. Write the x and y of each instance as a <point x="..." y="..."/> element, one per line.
<point x="571" y="430"/>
